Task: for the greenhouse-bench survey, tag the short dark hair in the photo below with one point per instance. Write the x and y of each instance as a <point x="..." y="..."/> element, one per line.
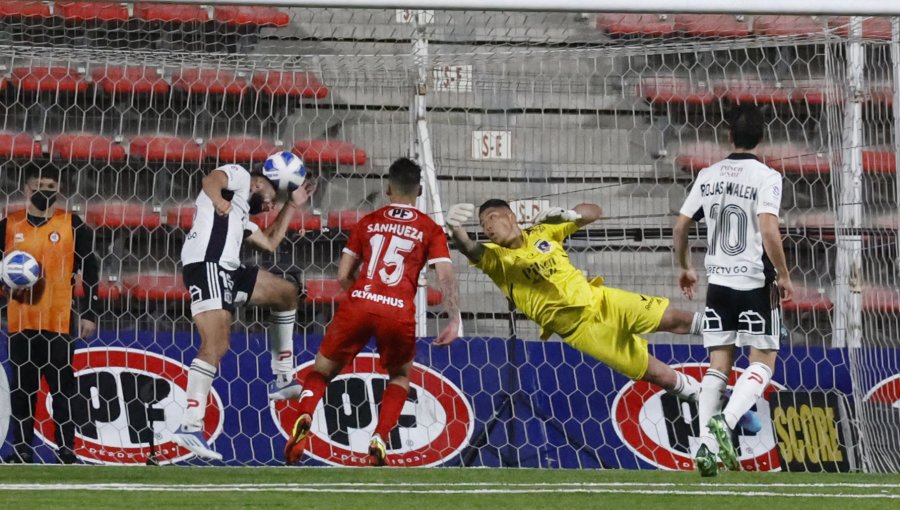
<point x="493" y="202"/>
<point x="405" y="176"/>
<point x="747" y="126"/>
<point x="258" y="173"/>
<point x="34" y="171"/>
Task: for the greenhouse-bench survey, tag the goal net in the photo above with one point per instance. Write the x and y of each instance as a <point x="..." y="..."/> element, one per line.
<point x="134" y="103"/>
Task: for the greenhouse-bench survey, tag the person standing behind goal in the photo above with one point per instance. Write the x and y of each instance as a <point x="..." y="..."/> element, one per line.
<point x="739" y="197"/>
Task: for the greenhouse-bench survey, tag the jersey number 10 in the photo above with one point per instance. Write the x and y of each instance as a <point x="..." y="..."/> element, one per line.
<point x="392" y="263"/>
<point x="731" y="230"/>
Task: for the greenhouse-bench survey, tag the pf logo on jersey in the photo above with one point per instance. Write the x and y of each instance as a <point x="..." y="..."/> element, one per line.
<point x="435" y="425"/>
<point x="663" y="430"/>
<point x="129" y="397"/>
<point x="401" y="214"/>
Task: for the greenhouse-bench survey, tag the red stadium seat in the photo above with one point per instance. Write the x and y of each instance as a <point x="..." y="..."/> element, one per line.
<point x="92" y="11"/>
<point x="712" y="25"/>
<point x="752" y="90"/>
<point x="330" y="291"/>
<point x="18" y="145"/>
<point x="880" y="162"/>
<point x="786" y="25"/>
<point x="15" y="8"/>
<point x="168" y="13"/>
<point x="808" y="300"/>
<point x="873" y="28"/>
<point x="251" y="15"/>
<point x="330" y="152"/>
<point x="291" y="84"/>
<point x="649" y="25"/>
<point x="181" y="216"/>
<point x="344" y="220"/>
<point x="122" y="215"/>
<point x="106" y="289"/>
<point x="298" y="222"/>
<point x="209" y="81"/>
<point x="129" y="80"/>
<point x="697" y="156"/>
<point x="883" y="94"/>
<point x="48" y="79"/>
<point x="239" y="150"/>
<point x="881" y="299"/>
<point x="156" y="287"/>
<point x="794" y="159"/>
<point x="166" y="148"/>
<point x="86" y="146"/>
<point x="669" y="89"/>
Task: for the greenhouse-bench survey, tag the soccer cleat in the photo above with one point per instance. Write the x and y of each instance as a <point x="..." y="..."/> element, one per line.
<point x="293" y="450"/>
<point x="377" y="451"/>
<point x="706" y="462"/>
<point x="722" y="432"/>
<point x="19" y="458"/>
<point x="290" y="391"/>
<point x="196" y="443"/>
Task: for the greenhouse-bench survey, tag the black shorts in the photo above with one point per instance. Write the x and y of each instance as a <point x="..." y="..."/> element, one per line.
<point x="213" y="287"/>
<point x="741" y="317"/>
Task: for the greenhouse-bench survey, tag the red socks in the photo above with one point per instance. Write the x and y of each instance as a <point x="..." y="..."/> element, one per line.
<point x="391" y="407"/>
<point x="316" y="383"/>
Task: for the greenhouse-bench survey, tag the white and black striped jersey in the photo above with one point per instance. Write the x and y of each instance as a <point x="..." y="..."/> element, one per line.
<point x="730" y="195"/>
<point x="215" y="238"/>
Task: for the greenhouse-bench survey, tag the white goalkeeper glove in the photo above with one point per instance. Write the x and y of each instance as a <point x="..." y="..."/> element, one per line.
<point x="459" y="214"/>
<point x="556" y="215"/>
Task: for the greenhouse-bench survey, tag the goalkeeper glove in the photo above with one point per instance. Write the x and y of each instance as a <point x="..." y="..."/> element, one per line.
<point x="556" y="215"/>
<point x="459" y="214"/>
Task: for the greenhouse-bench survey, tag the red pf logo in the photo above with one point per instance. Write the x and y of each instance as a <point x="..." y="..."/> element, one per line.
<point x="664" y="431"/>
<point x="435" y="425"/>
<point x="129" y="397"/>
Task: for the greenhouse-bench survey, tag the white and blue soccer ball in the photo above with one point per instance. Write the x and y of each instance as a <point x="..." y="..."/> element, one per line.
<point x="286" y="170"/>
<point x="20" y="270"/>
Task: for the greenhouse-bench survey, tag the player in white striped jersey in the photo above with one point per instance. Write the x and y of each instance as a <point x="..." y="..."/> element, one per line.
<point x="217" y="281"/>
<point x="739" y="198"/>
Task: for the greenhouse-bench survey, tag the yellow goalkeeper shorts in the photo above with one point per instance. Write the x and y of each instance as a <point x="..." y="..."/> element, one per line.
<point x="609" y="329"/>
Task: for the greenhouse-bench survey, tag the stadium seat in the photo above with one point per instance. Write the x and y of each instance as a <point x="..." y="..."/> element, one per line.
<point x="171" y="13"/>
<point x="208" y="81"/>
<point x="251" y="15"/>
<point x="669" y="89"/>
<point x="880" y="162"/>
<point x="298" y="222"/>
<point x="697" y="156"/>
<point x="882" y="94"/>
<point x="330" y="152"/>
<point x="165" y="148"/>
<point x="48" y="79"/>
<point x="239" y="150"/>
<point x="291" y="84"/>
<point x="648" y="25"/>
<point x="712" y="25"/>
<point x="752" y="90"/>
<point x="791" y="158"/>
<point x="122" y="215"/>
<point x="156" y="287"/>
<point x="86" y="147"/>
<point x="181" y="216"/>
<point x="106" y="289"/>
<point x="881" y="299"/>
<point x="92" y="11"/>
<point x="872" y="28"/>
<point x="23" y="9"/>
<point x="18" y="145"/>
<point x="129" y="80"/>
<point x="808" y="300"/>
<point x="344" y="220"/>
<point x="786" y="26"/>
<point x="330" y="291"/>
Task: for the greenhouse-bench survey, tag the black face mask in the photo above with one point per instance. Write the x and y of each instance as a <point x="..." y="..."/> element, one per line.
<point x="43" y="199"/>
<point x="255" y="202"/>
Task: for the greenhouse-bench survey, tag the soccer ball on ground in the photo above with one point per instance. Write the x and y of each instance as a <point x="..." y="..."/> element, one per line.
<point x="20" y="270"/>
<point x="285" y="170"/>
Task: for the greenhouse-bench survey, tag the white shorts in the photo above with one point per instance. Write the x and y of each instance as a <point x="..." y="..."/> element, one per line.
<point x="742" y="318"/>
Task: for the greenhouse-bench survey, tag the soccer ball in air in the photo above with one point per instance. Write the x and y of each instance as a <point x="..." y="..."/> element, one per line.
<point x="286" y="170"/>
<point x="20" y="270"/>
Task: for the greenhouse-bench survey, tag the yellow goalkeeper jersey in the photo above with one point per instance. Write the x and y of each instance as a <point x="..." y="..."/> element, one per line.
<point x="540" y="279"/>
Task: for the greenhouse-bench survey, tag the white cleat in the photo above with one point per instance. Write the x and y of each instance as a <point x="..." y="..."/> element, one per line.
<point x="196" y="443"/>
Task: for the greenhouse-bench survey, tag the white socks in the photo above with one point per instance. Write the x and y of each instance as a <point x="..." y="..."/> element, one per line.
<point x="686" y="387"/>
<point x="747" y="390"/>
<point x="697" y="324"/>
<point x="200" y="379"/>
<point x="709" y="404"/>
<point x="281" y="345"/>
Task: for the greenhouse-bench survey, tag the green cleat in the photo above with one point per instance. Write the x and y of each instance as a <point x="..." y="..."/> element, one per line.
<point x="706" y="462"/>
<point x="722" y="433"/>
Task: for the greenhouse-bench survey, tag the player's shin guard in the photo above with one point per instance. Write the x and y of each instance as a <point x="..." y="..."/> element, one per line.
<point x="200" y="379"/>
<point x="709" y="404"/>
<point x="391" y="407"/>
<point x="747" y="390"/>
<point x="281" y="345"/>
<point x="686" y="387"/>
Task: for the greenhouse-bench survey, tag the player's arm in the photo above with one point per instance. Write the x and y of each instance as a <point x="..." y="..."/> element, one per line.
<point x="771" y="239"/>
<point x="347" y="268"/>
<point x="688" y="279"/>
<point x="450" y="292"/>
<point x="459" y="214"/>
<point x="269" y="239"/>
<point x="589" y="213"/>
<point x="580" y="215"/>
<point x="213" y="184"/>
<point x="86" y="263"/>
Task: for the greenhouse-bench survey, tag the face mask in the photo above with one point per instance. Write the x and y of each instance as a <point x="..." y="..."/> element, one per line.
<point x="43" y="199"/>
<point x="256" y="203"/>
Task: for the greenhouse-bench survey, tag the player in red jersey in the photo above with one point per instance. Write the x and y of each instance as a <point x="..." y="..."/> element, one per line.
<point x="388" y="248"/>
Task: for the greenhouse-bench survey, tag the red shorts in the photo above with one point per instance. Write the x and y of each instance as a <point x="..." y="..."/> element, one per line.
<point x="350" y="331"/>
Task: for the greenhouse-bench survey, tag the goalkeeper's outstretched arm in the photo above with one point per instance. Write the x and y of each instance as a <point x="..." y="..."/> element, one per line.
<point x="589" y="213"/>
<point x="471" y="249"/>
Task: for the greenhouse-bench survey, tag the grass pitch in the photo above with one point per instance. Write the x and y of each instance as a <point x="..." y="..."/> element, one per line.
<point x="91" y="487"/>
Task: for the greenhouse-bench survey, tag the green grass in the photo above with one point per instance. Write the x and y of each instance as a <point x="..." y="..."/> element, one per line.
<point x="26" y="488"/>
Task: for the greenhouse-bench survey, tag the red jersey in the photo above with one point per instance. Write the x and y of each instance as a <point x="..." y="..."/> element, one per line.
<point x="394" y="244"/>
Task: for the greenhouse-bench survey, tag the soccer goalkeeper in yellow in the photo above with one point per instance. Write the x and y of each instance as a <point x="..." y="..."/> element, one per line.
<point x="533" y="270"/>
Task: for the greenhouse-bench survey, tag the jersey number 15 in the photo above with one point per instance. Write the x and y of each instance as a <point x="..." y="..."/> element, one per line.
<point x="391" y="263"/>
